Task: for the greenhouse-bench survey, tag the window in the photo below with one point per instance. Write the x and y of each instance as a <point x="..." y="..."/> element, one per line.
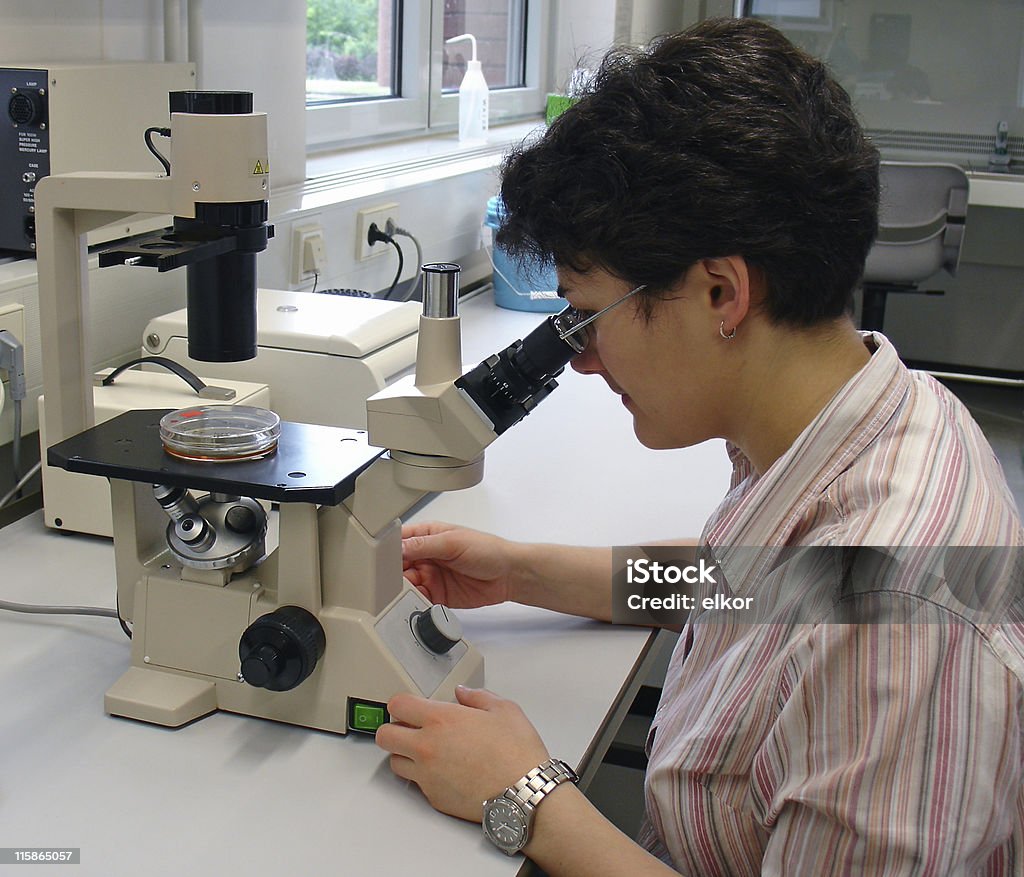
<point x="791" y="13"/>
<point x="929" y="80"/>
<point x="351" y="50"/>
<point x="383" y="67"/>
<point x="498" y="26"/>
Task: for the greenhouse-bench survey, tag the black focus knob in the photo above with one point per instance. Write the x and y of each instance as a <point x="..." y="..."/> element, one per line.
<point x="437" y="629"/>
<point x="279" y="650"/>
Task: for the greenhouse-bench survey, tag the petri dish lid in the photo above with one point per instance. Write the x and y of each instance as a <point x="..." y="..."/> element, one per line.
<point x="220" y="432"/>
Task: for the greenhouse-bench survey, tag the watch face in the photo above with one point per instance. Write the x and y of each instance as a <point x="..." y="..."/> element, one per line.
<point x="505" y="825"/>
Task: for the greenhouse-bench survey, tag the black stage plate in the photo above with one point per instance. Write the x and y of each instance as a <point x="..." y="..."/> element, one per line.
<point x="317" y="464"/>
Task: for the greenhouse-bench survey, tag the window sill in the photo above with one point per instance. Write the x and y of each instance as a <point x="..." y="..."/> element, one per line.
<point x="326" y="164"/>
<point x="371" y="170"/>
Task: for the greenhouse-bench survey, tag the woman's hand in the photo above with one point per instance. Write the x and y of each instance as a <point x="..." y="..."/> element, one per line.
<point x="455" y="566"/>
<point x="460" y="754"/>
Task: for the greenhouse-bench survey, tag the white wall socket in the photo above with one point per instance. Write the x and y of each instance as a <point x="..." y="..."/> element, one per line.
<point x="364" y="219"/>
<point x="309" y="252"/>
<point x="12" y="318"/>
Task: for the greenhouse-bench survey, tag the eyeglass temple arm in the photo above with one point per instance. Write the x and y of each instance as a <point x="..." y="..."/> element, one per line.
<point x="584" y="323"/>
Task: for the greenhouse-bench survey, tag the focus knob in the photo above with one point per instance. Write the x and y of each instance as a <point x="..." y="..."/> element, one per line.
<point x="262" y="665"/>
<point x="279" y="650"/>
<point x="437" y="629"/>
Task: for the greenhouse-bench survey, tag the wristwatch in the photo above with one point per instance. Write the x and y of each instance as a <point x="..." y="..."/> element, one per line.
<point x="509" y="817"/>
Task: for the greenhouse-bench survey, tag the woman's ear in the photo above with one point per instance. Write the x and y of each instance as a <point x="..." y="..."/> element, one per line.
<point x="727" y="290"/>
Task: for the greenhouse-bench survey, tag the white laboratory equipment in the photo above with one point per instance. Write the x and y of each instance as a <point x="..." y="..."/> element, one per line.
<point x="324" y="630"/>
<point x="320" y="355"/>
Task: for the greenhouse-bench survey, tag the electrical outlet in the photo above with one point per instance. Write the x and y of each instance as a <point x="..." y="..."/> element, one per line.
<point x="309" y="252"/>
<point x="364" y="219"/>
<point x="12" y="318"/>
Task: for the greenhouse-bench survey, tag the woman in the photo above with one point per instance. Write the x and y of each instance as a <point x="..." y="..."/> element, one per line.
<point x="718" y="193"/>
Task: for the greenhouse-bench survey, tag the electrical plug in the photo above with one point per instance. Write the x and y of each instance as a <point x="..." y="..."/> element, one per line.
<point x="375" y="235"/>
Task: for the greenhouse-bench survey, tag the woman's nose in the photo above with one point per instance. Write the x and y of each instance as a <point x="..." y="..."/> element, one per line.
<point x="588" y="362"/>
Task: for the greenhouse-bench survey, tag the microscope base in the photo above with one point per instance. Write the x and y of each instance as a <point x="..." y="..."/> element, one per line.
<point x="160" y="698"/>
<point x="185" y="664"/>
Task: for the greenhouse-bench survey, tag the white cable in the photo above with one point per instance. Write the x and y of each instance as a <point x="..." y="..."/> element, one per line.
<point x="392" y="229"/>
<point x="2" y="397"/>
<point x="16" y="441"/>
<point x="21" y="483"/>
<point x="48" y="610"/>
<point x="58" y="610"/>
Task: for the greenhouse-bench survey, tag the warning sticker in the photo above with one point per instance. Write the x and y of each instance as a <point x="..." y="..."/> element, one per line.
<point x="260" y="167"/>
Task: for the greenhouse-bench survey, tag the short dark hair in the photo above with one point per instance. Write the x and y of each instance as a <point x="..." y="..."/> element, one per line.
<point x="724" y="139"/>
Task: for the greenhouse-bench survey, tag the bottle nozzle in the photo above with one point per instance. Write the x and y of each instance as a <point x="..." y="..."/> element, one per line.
<point x="472" y="42"/>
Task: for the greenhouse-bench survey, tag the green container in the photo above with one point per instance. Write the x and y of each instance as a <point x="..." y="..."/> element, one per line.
<point x="556" y="105"/>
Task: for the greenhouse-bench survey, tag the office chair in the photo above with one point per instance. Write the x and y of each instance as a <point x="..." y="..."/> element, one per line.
<point x="920" y="231"/>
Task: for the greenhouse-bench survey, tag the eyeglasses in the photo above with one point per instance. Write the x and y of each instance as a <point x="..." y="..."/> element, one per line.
<point x="572" y="323"/>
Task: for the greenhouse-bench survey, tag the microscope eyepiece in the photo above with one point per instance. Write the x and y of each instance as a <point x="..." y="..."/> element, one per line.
<point x="441" y="290"/>
<point x="508" y="385"/>
<point x="566" y="323"/>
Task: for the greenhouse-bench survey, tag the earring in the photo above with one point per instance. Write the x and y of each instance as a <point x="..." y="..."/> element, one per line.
<point x="721" y="331"/>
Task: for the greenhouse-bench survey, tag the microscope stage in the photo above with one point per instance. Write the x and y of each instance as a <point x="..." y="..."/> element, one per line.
<point x="315" y="464"/>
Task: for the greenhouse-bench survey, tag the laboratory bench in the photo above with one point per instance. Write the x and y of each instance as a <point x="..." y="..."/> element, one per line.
<point x="230" y="794"/>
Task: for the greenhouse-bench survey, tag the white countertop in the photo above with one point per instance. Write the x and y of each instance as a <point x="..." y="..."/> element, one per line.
<point x="230" y="794"/>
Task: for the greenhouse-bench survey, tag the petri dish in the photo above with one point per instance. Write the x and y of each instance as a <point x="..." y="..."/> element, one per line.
<point x="220" y="433"/>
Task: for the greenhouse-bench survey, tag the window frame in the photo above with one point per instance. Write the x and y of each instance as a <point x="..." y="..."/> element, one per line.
<point x="422" y="108"/>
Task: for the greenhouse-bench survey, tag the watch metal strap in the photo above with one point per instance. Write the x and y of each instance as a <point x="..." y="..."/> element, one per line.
<point x="531" y="789"/>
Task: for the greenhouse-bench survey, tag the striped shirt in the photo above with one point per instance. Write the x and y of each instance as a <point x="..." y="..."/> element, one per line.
<point x="804" y="746"/>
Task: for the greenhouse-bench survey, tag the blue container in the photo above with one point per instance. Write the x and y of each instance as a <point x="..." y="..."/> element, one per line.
<point x="520" y="287"/>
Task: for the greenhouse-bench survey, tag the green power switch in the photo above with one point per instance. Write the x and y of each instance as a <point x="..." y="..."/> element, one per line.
<point x="366" y="716"/>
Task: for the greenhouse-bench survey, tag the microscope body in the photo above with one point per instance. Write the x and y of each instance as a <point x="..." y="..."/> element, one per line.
<point x="341" y="629"/>
<point x="324" y="630"/>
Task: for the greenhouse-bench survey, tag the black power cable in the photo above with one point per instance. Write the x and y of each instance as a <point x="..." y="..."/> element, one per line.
<point x="163" y="132"/>
<point x="398" y="273"/>
<point x="375" y="235"/>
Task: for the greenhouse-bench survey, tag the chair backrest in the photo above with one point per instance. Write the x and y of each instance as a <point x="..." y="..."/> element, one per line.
<point x="920" y="224"/>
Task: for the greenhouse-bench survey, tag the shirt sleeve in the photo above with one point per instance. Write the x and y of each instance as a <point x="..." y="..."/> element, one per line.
<point x="897" y="751"/>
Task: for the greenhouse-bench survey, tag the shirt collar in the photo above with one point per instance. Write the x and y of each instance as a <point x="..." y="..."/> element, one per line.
<point x="764" y="510"/>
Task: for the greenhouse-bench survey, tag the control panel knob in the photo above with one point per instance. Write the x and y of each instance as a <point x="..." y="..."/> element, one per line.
<point x="437" y="629"/>
<point x="279" y="650"/>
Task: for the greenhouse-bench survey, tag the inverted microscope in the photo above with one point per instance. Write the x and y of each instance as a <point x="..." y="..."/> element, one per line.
<point x="323" y="630"/>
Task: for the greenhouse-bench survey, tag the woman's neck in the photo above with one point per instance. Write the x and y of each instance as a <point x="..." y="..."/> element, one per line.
<point x="792" y="375"/>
